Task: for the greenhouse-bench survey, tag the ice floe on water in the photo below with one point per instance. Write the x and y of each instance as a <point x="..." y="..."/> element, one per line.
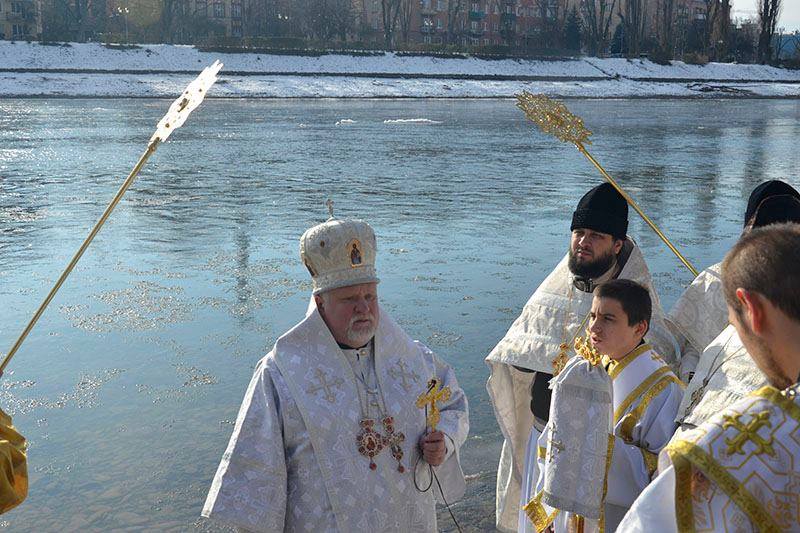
<point x="345" y="121"/>
<point x="411" y="121"/>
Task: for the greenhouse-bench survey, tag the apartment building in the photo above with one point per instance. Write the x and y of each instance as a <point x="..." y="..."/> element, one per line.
<point x="20" y="19"/>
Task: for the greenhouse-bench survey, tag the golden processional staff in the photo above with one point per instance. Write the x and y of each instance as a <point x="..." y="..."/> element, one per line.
<point x="177" y="114"/>
<point x="554" y="118"/>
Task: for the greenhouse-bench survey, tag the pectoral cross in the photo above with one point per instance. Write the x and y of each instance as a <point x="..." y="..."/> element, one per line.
<point x="749" y="432"/>
<point x="434" y="395"/>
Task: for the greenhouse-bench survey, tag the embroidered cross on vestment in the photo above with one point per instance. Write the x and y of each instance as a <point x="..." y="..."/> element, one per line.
<point x="400" y="373"/>
<point x="748" y="432"/>
<point x="325" y="386"/>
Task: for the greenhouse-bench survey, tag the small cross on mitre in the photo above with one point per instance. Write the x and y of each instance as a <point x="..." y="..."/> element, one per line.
<point x="435" y="395"/>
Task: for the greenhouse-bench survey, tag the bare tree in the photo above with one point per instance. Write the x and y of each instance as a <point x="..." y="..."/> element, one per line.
<point x="406" y="12"/>
<point x="551" y="24"/>
<point x="634" y="23"/>
<point x="390" y="12"/>
<point x="768" y="12"/>
<point x="597" y="15"/>
<point x="665" y="26"/>
<point x="454" y="8"/>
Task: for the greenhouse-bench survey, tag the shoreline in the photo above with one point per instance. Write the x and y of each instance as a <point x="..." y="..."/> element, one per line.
<point x="353" y="98"/>
<point x="92" y="70"/>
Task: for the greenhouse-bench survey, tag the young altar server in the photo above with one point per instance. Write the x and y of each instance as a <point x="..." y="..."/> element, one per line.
<point x="607" y="422"/>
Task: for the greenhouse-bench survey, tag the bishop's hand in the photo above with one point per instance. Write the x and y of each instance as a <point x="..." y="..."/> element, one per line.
<point x="433" y="448"/>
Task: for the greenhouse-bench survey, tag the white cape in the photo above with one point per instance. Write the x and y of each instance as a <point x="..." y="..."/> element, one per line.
<point x="292" y="463"/>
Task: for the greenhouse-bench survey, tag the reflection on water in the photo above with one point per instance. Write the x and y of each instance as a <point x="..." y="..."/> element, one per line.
<point x="129" y="386"/>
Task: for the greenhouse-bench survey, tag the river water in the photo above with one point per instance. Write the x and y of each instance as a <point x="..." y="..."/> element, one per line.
<point x="128" y="387"/>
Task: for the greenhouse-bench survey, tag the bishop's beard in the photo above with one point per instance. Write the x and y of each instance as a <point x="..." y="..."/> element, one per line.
<point x="359" y="336"/>
<point x="591" y="269"/>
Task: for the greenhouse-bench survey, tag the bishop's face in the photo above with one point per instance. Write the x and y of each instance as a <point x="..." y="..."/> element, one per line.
<point x="351" y="313"/>
<point x="591" y="253"/>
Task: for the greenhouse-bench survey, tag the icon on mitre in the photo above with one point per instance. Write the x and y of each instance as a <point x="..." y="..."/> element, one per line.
<point x="356" y="259"/>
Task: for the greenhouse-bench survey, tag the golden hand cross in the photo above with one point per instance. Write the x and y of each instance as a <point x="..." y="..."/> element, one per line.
<point x="434" y="395"/>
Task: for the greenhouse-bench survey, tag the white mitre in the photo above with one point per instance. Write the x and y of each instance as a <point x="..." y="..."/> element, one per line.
<point x="581" y="431"/>
<point x="339" y="253"/>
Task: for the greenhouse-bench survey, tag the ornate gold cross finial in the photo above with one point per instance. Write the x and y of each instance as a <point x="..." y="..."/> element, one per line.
<point x="329" y="203"/>
<point x="553" y="118"/>
<point x="434" y="395"/>
<point x="749" y="432"/>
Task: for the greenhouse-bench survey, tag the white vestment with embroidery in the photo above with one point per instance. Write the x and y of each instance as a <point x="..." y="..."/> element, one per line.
<point x="739" y="471"/>
<point x="645" y="397"/>
<point x="726" y="374"/>
<point x="554" y="314"/>
<point x="699" y="315"/>
<point x="292" y="463"/>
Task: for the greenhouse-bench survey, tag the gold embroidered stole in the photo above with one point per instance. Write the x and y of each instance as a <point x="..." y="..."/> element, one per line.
<point x="638" y="379"/>
<point x="751" y="452"/>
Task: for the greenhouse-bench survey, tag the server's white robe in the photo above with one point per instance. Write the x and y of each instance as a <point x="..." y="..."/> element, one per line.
<point x="646" y="394"/>
<point x="292" y="463"/>
<point x="532" y="342"/>
<point x="739" y="471"/>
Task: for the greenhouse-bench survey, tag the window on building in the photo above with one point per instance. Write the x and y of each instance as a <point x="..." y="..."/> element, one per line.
<point x="496" y="9"/>
<point x="219" y="10"/>
<point x="440" y="5"/>
<point x="474" y="25"/>
<point x="439" y="24"/>
<point x="486" y="41"/>
<point x="485" y="26"/>
<point x="236" y="11"/>
<point x="427" y="39"/>
<point x="16" y="7"/>
<point x="16" y="29"/>
<point x="508" y="10"/>
<point x="475" y="6"/>
<point x="201" y="8"/>
<point x="236" y="27"/>
<point x="496" y="27"/>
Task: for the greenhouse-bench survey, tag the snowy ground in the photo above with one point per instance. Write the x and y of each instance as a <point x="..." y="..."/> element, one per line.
<point x="164" y="70"/>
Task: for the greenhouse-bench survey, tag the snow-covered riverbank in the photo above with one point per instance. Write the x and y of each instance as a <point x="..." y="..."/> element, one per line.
<point x="163" y="70"/>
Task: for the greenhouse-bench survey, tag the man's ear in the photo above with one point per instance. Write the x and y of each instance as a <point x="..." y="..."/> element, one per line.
<point x="319" y="301"/>
<point x="618" y="246"/>
<point x="752" y="310"/>
<point x="641" y="328"/>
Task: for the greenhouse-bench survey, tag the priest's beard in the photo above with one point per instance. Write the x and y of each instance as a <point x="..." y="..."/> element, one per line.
<point x="764" y="358"/>
<point x="591" y="269"/>
<point x="361" y="334"/>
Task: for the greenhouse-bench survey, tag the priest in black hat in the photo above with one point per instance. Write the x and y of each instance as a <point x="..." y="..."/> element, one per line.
<point x="541" y="339"/>
<point x="714" y="362"/>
